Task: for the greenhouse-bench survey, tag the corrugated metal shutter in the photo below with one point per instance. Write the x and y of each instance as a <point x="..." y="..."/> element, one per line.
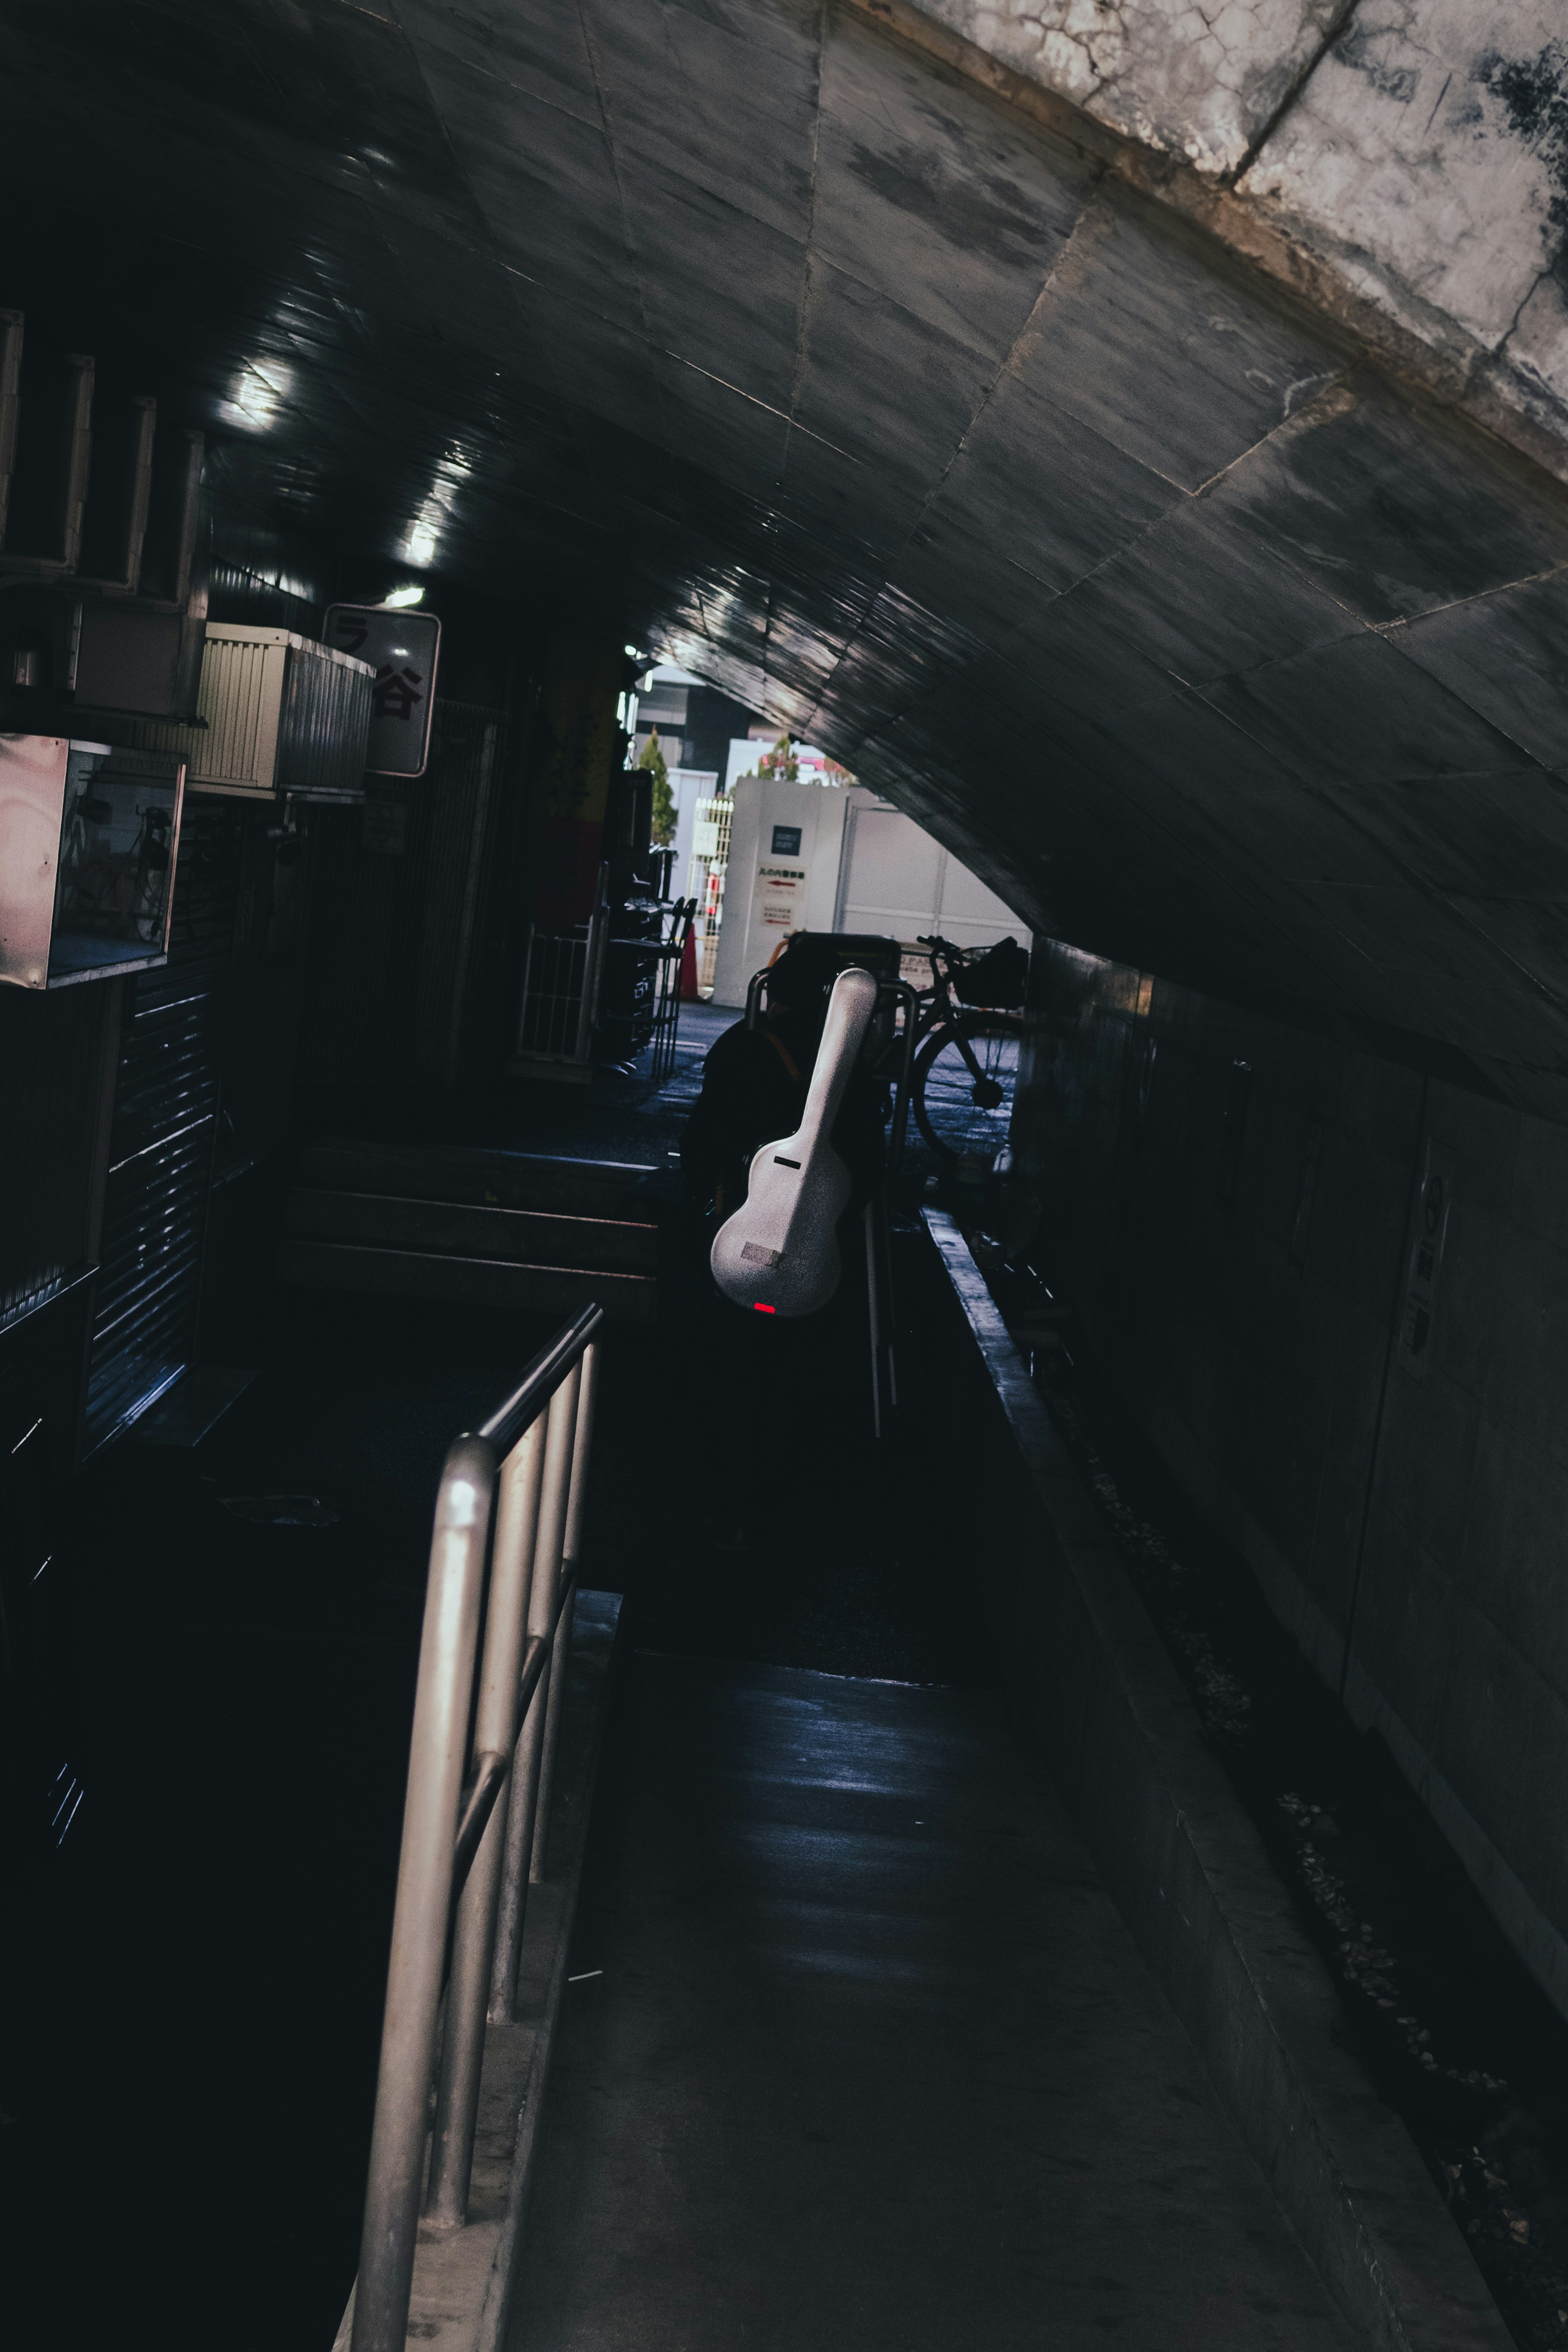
<point x="160" y="1150"/>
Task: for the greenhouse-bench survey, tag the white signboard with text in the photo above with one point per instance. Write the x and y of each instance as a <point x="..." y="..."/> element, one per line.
<point x="403" y="648"/>
<point x="779" y="901"/>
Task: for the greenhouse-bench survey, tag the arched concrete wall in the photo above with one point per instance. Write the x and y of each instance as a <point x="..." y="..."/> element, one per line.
<point x="1416" y="150"/>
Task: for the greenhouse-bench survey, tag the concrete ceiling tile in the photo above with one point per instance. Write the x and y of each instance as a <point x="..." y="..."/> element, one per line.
<point x="1179" y="362"/>
<point x="717" y="288"/>
<point x="1392" y="507"/>
<point x="1504" y="656"/>
<point x="881" y="385"/>
<point x="1051" y="495"/>
<point x="1207" y="602"/>
<point x="700" y="101"/>
<point x="923" y="191"/>
<point x="539" y="51"/>
<point x="1347" y="713"/>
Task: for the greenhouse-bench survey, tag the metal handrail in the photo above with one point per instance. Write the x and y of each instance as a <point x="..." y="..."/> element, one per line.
<point x="506" y="1544"/>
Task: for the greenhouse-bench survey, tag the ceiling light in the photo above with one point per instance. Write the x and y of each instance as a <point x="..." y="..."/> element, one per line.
<point x="256" y="394"/>
<point x="396" y="598"/>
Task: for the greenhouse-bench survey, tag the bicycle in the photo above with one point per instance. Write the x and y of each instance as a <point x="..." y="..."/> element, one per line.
<point x="968" y="1047"/>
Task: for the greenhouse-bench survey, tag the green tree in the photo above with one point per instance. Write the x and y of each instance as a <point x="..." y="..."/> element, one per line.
<point x="781" y="761"/>
<point x="663" y="825"/>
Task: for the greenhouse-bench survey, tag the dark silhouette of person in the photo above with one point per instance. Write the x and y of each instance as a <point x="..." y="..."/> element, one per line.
<point x="754" y="1091"/>
<point x="798" y="1386"/>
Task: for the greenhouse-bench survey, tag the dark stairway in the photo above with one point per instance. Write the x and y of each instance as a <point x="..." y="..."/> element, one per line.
<point x="473" y="1225"/>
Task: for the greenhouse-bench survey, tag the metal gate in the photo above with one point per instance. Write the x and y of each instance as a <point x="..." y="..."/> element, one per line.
<point x="161" y="1147"/>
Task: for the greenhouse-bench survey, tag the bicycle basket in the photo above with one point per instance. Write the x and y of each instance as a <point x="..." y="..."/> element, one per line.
<point x="999" y="977"/>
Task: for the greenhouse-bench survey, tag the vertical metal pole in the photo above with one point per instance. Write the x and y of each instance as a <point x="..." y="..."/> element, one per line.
<point x="495" y="1733"/>
<point x="10" y="389"/>
<point x="559" y="1435"/>
<point x="873" y="1315"/>
<point x="889" y="1300"/>
<point x="437" y="1752"/>
<point x="522" y="1043"/>
<point x="905" y="993"/>
<point x="78" y="455"/>
<point x="571" y="1556"/>
<point x="598" y="925"/>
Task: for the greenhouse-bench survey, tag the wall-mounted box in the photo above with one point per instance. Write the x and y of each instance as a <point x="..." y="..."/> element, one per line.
<point x="283" y="714"/>
<point x="129" y="659"/>
<point x="90" y="836"/>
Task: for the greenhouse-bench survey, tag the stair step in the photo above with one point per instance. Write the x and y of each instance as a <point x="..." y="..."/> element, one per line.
<point x="467" y="1281"/>
<point x="482" y="1176"/>
<point x="462" y="1229"/>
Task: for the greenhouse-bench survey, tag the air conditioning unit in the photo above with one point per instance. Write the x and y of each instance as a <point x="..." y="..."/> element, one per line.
<point x="284" y="714"/>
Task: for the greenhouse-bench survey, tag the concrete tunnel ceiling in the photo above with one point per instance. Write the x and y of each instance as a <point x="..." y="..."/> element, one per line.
<point x="890" y="404"/>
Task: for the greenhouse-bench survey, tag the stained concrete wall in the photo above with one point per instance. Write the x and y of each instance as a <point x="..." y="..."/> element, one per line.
<point x="1236" y="1209"/>
<point x="1416" y="148"/>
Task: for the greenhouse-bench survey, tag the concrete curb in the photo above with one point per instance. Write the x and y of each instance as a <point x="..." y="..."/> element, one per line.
<point x="1091" y="1683"/>
<point x="463" y="2282"/>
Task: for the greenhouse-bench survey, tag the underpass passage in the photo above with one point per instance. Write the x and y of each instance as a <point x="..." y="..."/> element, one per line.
<point x="860" y="2053"/>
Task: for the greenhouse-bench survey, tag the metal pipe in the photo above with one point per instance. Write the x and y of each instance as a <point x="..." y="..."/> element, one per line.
<point x="11" y="324"/>
<point x="78" y="455"/>
<point x="873" y="1306"/>
<point x="491" y="1771"/>
<point x="510" y="1419"/>
<point x="189" y="532"/>
<point x="908" y="997"/>
<point x="555" y="1700"/>
<point x="543" y="1596"/>
<point x="437" y="1752"/>
<point x="571" y="1554"/>
<point x="593" y="956"/>
<point x="522" y="1044"/>
<point x="512" y="1556"/>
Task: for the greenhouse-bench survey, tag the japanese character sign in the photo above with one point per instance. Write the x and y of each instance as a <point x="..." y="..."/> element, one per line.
<point x="403" y="647"/>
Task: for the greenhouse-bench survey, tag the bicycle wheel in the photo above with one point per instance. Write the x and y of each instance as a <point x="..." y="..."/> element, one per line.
<point x="961" y="1116"/>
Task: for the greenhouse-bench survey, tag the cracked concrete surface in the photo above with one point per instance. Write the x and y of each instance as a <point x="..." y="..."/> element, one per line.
<point x="1418" y="148"/>
<point x="1404" y="149"/>
<point x="1200" y="82"/>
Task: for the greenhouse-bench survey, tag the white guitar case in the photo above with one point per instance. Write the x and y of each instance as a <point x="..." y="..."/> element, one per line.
<point x="779" y="1254"/>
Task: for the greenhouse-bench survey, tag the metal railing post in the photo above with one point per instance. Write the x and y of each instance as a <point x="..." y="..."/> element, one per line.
<point x="571" y="1555"/>
<point x="494" y="1734"/>
<point x="560" y="1462"/>
<point x="437" y="1753"/>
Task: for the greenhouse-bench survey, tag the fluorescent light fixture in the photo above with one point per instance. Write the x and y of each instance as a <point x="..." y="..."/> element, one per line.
<point x="420" y="545"/>
<point x="397" y="597"/>
<point x="256" y="394"/>
<point x="425" y="532"/>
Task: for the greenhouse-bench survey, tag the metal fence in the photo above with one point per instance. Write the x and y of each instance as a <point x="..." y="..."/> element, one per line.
<point x="561" y="982"/>
<point x="665" y="955"/>
<point x="486" y="1719"/>
<point x="710" y="858"/>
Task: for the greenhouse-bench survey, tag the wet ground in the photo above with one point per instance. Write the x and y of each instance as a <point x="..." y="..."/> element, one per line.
<point x="861" y="2055"/>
